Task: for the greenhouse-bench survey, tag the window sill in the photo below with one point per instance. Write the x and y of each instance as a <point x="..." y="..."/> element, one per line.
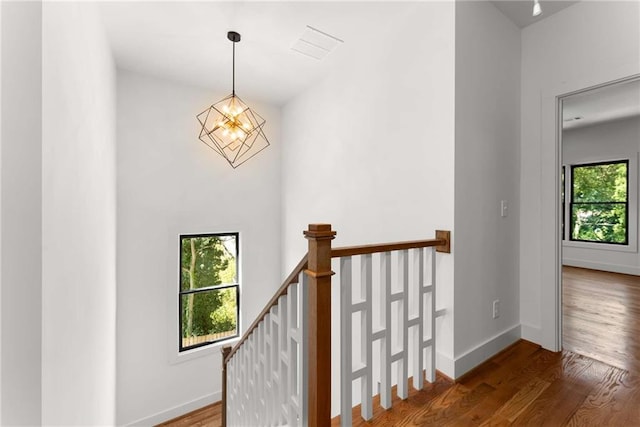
<point x="600" y="246"/>
<point x="208" y="350"/>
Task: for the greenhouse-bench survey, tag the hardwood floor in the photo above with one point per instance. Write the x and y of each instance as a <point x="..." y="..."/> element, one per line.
<point x="595" y="381"/>
<point x="209" y="416"/>
<point x="523" y="385"/>
<point x="601" y="316"/>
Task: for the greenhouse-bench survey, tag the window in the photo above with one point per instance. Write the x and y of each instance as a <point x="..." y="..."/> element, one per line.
<point x="599" y="206"/>
<point x="208" y="297"/>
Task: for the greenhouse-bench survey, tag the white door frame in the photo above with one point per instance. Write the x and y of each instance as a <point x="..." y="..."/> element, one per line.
<point x="550" y="176"/>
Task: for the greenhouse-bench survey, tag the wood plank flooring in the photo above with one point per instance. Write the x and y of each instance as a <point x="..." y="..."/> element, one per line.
<point x="524" y="385"/>
<point x="601" y="316"/>
<point x="595" y="381"/>
<point x="209" y="416"/>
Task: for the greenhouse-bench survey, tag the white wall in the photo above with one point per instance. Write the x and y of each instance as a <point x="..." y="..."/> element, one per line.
<point x="169" y="183"/>
<point x="370" y="148"/>
<point x="0" y="212"/>
<point x="610" y="140"/>
<point x="589" y="43"/>
<point x="487" y="156"/>
<point x="20" y="229"/>
<point x="78" y="218"/>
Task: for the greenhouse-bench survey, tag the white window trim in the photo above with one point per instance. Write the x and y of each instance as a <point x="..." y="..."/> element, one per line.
<point x="632" y="220"/>
<point x="175" y="356"/>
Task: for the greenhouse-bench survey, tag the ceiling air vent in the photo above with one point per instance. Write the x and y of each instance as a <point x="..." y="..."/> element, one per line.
<point x="315" y="43"/>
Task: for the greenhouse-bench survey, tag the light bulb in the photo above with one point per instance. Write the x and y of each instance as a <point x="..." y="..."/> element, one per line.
<point x="537" y="10"/>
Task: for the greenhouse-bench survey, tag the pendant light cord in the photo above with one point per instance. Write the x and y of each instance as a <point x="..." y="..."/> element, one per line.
<point x="233" y="79"/>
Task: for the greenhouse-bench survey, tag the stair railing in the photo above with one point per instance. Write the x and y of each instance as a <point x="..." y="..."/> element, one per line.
<point x="279" y="373"/>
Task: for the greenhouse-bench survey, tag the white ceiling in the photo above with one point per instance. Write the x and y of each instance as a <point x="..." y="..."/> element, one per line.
<point x="521" y="11"/>
<point x="602" y="105"/>
<point x="187" y="41"/>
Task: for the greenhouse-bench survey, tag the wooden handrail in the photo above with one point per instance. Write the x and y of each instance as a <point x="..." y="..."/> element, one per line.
<point x="388" y="247"/>
<point x="337" y="253"/>
<point x="292" y="278"/>
<point x="383" y="247"/>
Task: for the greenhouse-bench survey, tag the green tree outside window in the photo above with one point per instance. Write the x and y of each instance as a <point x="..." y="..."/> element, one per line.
<point x="208" y="294"/>
<point x="599" y="202"/>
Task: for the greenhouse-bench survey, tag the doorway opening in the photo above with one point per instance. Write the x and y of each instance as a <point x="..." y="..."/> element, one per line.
<point x="599" y="145"/>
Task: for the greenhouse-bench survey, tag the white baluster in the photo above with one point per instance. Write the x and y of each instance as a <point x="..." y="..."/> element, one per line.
<point x="431" y="372"/>
<point x="292" y="353"/>
<point x="252" y="376"/>
<point x="247" y="386"/>
<point x="403" y="318"/>
<point x="230" y="391"/>
<point x="249" y="372"/>
<point x="366" y="341"/>
<point x="243" y="384"/>
<point x="275" y="364"/>
<point x="385" y="345"/>
<point x="282" y="353"/>
<point x="268" y="381"/>
<point x="233" y="410"/>
<point x="345" y="341"/>
<point x="303" y="382"/>
<point x="259" y="385"/>
<point x="419" y="282"/>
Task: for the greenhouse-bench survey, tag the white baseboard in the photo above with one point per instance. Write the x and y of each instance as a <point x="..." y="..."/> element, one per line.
<point x="614" y="268"/>
<point x="179" y="410"/>
<point x="445" y="364"/>
<point x="531" y="333"/>
<point x="486" y="350"/>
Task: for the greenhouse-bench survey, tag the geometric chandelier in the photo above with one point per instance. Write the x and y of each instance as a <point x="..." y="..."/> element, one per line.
<point x="230" y="127"/>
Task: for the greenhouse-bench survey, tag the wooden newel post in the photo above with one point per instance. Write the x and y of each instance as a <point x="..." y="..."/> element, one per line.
<point x="225" y="352"/>
<point x="319" y="333"/>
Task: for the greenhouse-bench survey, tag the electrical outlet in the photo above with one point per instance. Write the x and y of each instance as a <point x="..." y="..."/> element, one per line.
<point x="496" y="309"/>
